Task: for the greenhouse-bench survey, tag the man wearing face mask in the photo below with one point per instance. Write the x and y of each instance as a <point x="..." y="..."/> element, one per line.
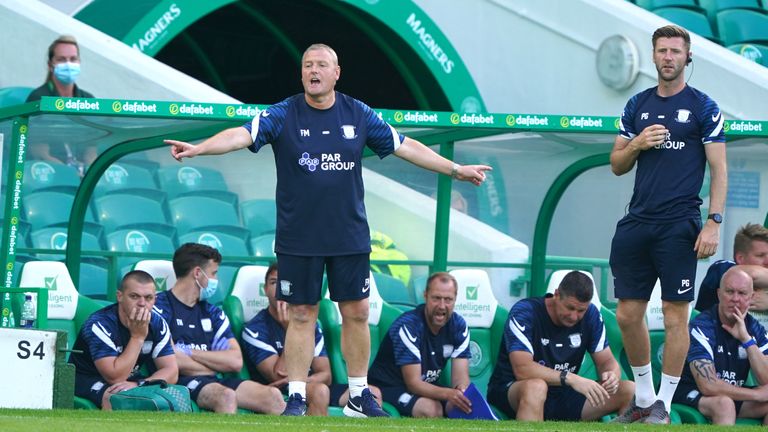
<point x="63" y="70"/>
<point x="203" y="340"/>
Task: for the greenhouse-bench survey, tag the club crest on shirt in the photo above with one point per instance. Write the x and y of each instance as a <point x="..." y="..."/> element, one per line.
<point x="147" y="347"/>
<point x="285" y="287"/>
<point x="575" y="339"/>
<point x="682" y="116"/>
<point x="447" y="351"/>
<point x="205" y="323"/>
<point x="348" y="132"/>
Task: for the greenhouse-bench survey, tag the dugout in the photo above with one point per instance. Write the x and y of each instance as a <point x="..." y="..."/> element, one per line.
<point x="550" y="203"/>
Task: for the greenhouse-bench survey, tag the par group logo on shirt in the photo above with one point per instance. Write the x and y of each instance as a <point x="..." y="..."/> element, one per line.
<point x="310" y="163"/>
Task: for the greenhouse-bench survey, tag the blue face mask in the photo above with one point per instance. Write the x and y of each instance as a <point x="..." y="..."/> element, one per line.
<point x="67" y="73"/>
<point x="209" y="290"/>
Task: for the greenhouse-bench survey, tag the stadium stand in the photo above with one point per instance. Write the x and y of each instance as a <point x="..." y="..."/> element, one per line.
<point x="139" y="241"/>
<point x="10" y="96"/>
<point x="395" y="292"/>
<point x="192" y="213"/>
<point x="653" y="5"/>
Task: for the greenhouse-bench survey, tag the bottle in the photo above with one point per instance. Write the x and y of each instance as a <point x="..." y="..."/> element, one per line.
<point x="28" y="312"/>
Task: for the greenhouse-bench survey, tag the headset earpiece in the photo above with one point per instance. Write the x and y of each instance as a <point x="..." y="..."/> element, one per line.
<point x="689" y="59"/>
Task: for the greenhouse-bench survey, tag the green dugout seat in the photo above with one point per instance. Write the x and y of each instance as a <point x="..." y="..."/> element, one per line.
<point x="124" y="210"/>
<point x="486" y="319"/>
<point x="186" y="180"/>
<point x="227" y="244"/>
<point x="713" y="7"/>
<point x="56" y="238"/>
<point x="194" y="213"/>
<point x="395" y="292"/>
<point x="45" y="175"/>
<point x="47" y="208"/>
<point x="139" y="241"/>
<point x="739" y="26"/>
<point x="259" y="216"/>
<point x="160" y="270"/>
<point x="127" y="178"/>
<point x="263" y="245"/>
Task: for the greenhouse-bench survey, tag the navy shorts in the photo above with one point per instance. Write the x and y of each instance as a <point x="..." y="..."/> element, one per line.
<point x="90" y="387"/>
<point x="563" y="403"/>
<point x="643" y="252"/>
<point x="401" y="399"/>
<point x="301" y="278"/>
<point x="689" y="395"/>
<point x="337" y="390"/>
<point x="196" y="383"/>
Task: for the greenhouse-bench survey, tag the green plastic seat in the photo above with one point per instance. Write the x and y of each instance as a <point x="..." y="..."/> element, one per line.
<point x="653" y="5"/>
<point x="185" y="180"/>
<point x="395" y="292"/>
<point x="227" y="244"/>
<point x="56" y="238"/>
<point x="50" y="208"/>
<point x="121" y="210"/>
<point x="263" y="245"/>
<point x="259" y="216"/>
<point x="140" y="241"/>
<point x="45" y="175"/>
<point x="192" y="213"/>
<point x="691" y="20"/>
<point x="737" y="26"/>
<point x="127" y="178"/>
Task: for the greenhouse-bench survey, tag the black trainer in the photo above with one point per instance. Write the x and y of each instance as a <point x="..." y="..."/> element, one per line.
<point x="363" y="406"/>
<point x="296" y="406"/>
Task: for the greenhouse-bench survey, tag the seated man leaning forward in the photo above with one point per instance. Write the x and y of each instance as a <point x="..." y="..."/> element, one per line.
<point x="116" y="341"/>
<point x="726" y="343"/>
<point x="264" y="338"/>
<point x="536" y="375"/>
<point x="417" y="347"/>
<point x="204" y="343"/>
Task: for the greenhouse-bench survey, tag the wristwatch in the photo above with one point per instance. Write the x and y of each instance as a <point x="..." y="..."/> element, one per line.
<point x="717" y="217"/>
<point x="563" y="375"/>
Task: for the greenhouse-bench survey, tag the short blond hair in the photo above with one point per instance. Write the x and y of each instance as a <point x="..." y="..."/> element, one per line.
<point x="321" y="46"/>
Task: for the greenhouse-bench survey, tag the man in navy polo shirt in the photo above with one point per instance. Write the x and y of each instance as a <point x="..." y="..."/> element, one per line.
<point x="116" y="341"/>
<point x="537" y="372"/>
<point x="726" y="343"/>
<point x="318" y="139"/>
<point x="671" y="131"/>
<point x="204" y="344"/>
<point x="750" y="249"/>
<point x="418" y="346"/>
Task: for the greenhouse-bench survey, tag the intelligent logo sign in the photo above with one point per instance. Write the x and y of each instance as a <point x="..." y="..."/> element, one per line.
<point x="159" y="28"/>
<point x="427" y="41"/>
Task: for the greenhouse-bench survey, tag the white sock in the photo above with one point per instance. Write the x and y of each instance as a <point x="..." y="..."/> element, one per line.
<point x="645" y="395"/>
<point x="357" y="385"/>
<point x="299" y="387"/>
<point x="667" y="389"/>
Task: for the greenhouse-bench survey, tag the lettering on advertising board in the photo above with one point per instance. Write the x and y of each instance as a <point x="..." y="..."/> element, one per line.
<point x="158" y="30"/>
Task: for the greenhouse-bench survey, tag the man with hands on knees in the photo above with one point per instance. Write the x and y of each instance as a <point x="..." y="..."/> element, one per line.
<point x="417" y="348"/>
<point x="204" y="343"/>
<point x="726" y="343"/>
<point x="536" y="375"/>
<point x="116" y="341"/>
